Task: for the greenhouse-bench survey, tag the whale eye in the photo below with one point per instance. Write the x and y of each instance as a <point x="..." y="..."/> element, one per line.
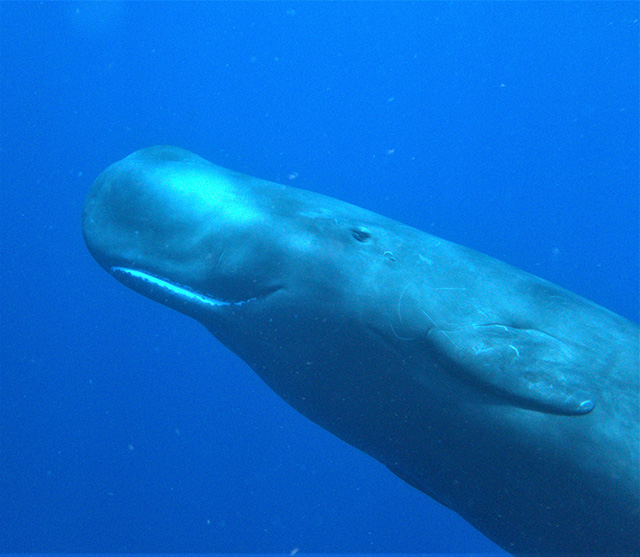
<point x="361" y="234"/>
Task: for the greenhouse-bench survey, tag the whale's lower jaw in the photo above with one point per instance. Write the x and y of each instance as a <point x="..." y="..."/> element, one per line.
<point x="167" y="292"/>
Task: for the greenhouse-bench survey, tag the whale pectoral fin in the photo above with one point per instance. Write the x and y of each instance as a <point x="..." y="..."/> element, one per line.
<point x="529" y="368"/>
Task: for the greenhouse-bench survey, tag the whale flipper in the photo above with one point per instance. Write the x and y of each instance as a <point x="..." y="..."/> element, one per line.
<point x="527" y="367"/>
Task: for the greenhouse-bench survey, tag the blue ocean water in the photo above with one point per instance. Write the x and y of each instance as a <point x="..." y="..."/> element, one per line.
<point x="511" y="128"/>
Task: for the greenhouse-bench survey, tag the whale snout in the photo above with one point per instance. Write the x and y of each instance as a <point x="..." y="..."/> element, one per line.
<point x="166" y="216"/>
<point x="155" y="200"/>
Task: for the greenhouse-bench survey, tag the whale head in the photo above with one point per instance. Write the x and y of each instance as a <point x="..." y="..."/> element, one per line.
<point x="216" y="244"/>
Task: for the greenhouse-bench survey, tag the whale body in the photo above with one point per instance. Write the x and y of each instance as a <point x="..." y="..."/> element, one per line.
<point x="510" y="400"/>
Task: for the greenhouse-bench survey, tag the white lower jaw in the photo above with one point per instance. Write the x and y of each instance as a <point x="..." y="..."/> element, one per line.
<point x="181" y="292"/>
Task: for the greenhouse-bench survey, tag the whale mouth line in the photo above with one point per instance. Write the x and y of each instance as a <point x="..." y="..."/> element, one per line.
<point x="160" y="287"/>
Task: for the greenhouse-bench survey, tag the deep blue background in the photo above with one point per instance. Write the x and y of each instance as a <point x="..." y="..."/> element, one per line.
<point x="511" y="128"/>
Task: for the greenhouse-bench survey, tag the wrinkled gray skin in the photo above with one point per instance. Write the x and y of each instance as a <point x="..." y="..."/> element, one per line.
<point x="504" y="397"/>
